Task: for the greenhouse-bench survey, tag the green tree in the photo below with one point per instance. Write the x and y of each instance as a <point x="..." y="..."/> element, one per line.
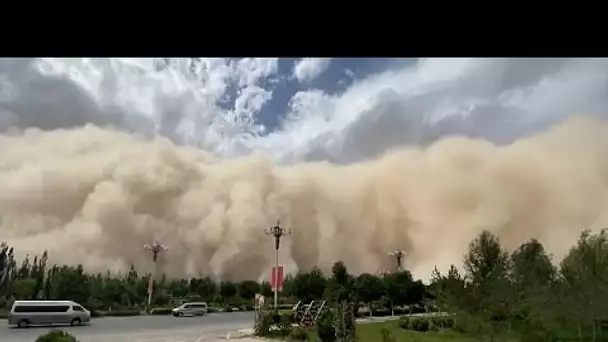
<point x="369" y="289"/>
<point x="308" y="286"/>
<point x="70" y="283"/>
<point x="449" y="291"/>
<point x="532" y="266"/>
<point x="341" y="284"/>
<point x="248" y="289"/>
<point x="486" y="260"/>
<point x="533" y="276"/>
<point x="39" y="274"/>
<point x="207" y="288"/>
<point x="24" y="288"/>
<point x="584" y="288"/>
<point x="487" y="267"/>
<point x="228" y="290"/>
<point x="288" y="286"/>
<point x="24" y="270"/>
<point x="266" y="289"/>
<point x="7" y="270"/>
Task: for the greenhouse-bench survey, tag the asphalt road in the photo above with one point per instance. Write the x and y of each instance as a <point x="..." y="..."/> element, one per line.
<point x="143" y="329"/>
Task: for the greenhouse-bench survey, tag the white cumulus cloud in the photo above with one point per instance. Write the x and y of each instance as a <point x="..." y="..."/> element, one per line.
<point x="307" y="69"/>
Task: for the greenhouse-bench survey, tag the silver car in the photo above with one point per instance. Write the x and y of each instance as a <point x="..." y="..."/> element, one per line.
<point x="47" y="312"/>
<point x="191" y="309"/>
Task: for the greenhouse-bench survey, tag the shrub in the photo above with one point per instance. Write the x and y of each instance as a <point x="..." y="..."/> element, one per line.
<point x="416" y="324"/>
<point x="56" y="336"/>
<point x="443" y="322"/>
<point x="298" y="334"/>
<point x="423" y="325"/>
<point x="284" y="325"/>
<point x="387" y="335"/>
<point x="228" y="309"/>
<point x="404" y="323"/>
<point x="212" y="309"/>
<point x="282" y="321"/>
<point x="161" y="311"/>
<point x="262" y="326"/>
<point x="326" y="329"/>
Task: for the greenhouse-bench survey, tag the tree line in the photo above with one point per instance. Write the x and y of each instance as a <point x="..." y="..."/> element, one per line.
<point x="525" y="294"/>
<point x="34" y="278"/>
<point x="495" y="293"/>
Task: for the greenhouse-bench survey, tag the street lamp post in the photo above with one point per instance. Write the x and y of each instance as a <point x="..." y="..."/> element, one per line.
<point x="156" y="248"/>
<point x="399" y="255"/>
<point x="277" y="232"/>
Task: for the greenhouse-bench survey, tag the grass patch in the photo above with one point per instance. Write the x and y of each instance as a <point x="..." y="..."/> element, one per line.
<point x="372" y="332"/>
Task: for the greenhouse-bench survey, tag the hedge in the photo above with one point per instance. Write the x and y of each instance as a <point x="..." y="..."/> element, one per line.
<point x="278" y="324"/>
<point x="383" y="312"/>
<point x="115" y="313"/>
<point x="424" y="324"/>
<point x="161" y="311"/>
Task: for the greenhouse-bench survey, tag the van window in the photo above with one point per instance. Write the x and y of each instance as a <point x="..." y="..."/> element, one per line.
<point x="42" y="308"/>
<point x="201" y="306"/>
<point x="77" y="308"/>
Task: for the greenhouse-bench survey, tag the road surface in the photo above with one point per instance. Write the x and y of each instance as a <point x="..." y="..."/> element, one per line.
<point x="143" y="329"/>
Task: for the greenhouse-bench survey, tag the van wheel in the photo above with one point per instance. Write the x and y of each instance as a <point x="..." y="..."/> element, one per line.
<point x="24" y="323"/>
<point x="75" y="321"/>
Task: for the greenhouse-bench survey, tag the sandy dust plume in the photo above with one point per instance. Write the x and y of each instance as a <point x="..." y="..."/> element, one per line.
<point x="96" y="196"/>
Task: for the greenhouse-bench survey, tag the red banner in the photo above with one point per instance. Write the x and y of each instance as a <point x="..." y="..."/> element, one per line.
<point x="276" y="278"/>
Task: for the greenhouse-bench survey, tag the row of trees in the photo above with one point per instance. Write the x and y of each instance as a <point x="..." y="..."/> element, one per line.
<point x="497" y="292"/>
<point x="33" y="278"/>
<point x="524" y="293"/>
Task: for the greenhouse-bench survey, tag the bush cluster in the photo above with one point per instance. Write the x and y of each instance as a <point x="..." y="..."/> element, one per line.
<point x="56" y="336"/>
<point x="425" y="324"/>
<point x="326" y="327"/>
<point x="279" y="324"/>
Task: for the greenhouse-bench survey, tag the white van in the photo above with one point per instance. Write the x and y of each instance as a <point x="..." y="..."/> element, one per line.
<point x="191" y="309"/>
<point x="46" y="312"/>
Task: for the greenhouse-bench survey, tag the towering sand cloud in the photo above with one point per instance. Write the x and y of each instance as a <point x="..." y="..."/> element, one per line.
<point x="96" y="196"/>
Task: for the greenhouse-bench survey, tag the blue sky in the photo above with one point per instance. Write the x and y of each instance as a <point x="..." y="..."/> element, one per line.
<point x="339" y="75"/>
<point x="338" y="109"/>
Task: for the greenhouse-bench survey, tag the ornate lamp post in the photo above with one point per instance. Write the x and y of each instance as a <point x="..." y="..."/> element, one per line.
<point x="277" y="232"/>
<point x="399" y="255"/>
<point x="156" y="248"/>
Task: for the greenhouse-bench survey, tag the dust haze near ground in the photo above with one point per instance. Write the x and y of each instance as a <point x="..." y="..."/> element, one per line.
<point x="96" y="196"/>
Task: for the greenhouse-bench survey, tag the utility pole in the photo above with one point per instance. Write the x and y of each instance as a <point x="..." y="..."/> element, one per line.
<point x="277" y="232"/>
<point x="156" y="248"/>
<point x="399" y="255"/>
